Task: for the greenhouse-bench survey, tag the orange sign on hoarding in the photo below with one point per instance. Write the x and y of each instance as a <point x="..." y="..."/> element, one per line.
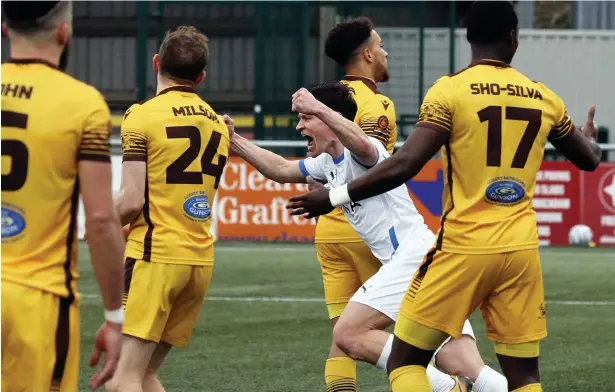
<point x="250" y="207"/>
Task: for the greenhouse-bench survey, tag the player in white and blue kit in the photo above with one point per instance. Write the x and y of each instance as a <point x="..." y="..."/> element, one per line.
<point x="388" y="223"/>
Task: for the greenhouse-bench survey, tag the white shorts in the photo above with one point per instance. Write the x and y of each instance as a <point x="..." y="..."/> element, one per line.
<point x="385" y="290"/>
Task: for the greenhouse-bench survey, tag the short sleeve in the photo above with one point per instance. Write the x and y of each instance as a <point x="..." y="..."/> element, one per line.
<point x="314" y="167"/>
<point x="564" y="126"/>
<point x="134" y="139"/>
<point x="377" y="119"/>
<point x="94" y="144"/>
<point x="382" y="154"/>
<point x="436" y="110"/>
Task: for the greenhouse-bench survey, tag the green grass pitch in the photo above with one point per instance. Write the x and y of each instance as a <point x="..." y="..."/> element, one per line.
<point x="264" y="326"/>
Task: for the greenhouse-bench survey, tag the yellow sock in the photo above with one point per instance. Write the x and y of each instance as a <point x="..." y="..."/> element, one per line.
<point x="410" y="379"/>
<point x="341" y="374"/>
<point x="530" y="388"/>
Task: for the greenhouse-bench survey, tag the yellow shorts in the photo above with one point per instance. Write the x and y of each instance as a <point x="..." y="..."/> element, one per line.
<point x="40" y="340"/>
<point x="345" y="267"/>
<point x="508" y="287"/>
<point x="163" y="301"/>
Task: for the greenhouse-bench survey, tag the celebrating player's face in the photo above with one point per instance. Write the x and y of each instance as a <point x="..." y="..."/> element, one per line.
<point x="316" y="133"/>
<point x="380" y="57"/>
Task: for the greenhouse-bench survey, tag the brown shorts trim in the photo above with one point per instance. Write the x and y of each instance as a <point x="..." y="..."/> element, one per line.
<point x="71" y="242"/>
<point x="62" y="342"/>
<point x="129" y="266"/>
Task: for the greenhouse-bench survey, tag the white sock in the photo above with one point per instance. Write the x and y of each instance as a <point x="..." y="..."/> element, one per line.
<point x="490" y="381"/>
<point x="386" y="352"/>
<point x="440" y="382"/>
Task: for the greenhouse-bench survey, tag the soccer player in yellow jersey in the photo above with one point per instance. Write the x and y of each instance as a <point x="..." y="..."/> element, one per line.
<point x="345" y="260"/>
<point x="492" y="123"/>
<point x="55" y="145"/>
<point x="175" y="148"/>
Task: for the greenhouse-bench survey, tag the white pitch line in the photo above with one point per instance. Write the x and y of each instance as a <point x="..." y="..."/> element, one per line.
<point x="583" y="303"/>
<point x="314" y="299"/>
<point x="270" y="249"/>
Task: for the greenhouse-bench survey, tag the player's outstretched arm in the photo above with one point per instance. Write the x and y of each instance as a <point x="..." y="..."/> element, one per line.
<point x="422" y="144"/>
<point x="131" y="197"/>
<point x="271" y="165"/>
<point x="580" y="147"/>
<point x="348" y="133"/>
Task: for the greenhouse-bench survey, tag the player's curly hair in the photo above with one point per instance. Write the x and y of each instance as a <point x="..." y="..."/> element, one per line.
<point x="336" y="96"/>
<point x="184" y="53"/>
<point x="346" y="37"/>
<point x="490" y="22"/>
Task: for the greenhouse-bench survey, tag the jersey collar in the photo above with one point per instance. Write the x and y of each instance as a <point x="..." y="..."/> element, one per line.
<point x="186" y="89"/>
<point x="493" y="63"/>
<point x="33" y="61"/>
<point x="366" y="81"/>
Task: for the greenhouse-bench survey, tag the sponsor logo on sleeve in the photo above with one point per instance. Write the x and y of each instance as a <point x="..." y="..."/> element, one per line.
<point x="383" y="122"/>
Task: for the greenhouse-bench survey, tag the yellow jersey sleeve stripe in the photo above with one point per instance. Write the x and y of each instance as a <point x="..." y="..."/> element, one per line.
<point x="434" y="126"/>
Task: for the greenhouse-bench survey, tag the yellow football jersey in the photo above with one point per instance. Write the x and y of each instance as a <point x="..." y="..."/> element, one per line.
<point x="185" y="146"/>
<point x="50" y="121"/>
<point x="376" y="117"/>
<point x="499" y="122"/>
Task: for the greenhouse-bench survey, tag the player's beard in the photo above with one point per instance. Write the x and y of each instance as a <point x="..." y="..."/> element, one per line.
<point x="385" y="76"/>
<point x="64" y="57"/>
<point x="384" y="73"/>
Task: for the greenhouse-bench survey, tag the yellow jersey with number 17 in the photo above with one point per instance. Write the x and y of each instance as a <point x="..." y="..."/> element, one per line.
<point x="376" y="117"/>
<point x="499" y="122"/>
<point x="185" y="146"/>
<point x="50" y="122"/>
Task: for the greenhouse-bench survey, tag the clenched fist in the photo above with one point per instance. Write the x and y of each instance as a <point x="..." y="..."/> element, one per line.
<point x="230" y="124"/>
<point x="304" y="102"/>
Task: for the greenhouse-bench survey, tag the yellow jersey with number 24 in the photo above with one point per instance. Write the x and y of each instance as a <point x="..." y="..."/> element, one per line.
<point x="185" y="146"/>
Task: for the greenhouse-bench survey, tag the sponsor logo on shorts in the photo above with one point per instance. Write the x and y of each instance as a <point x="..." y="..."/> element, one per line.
<point x="197" y="206"/>
<point x="505" y="191"/>
<point x="13" y="222"/>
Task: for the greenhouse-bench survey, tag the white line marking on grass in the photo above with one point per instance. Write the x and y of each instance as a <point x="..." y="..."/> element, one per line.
<point x="583" y="303"/>
<point x="269" y="249"/>
<point x="313" y="299"/>
<point x="263" y="299"/>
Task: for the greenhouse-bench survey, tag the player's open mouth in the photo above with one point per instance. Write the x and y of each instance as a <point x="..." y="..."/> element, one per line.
<point x="310" y="142"/>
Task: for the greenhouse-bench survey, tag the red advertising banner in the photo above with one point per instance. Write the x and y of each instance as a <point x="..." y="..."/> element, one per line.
<point x="250" y="207"/>
<point x="556" y="201"/>
<point x="598" y="203"/>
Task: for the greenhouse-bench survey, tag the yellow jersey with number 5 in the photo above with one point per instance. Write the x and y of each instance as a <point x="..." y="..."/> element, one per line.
<point x="498" y="122"/>
<point x="185" y="146"/>
<point x="50" y="122"/>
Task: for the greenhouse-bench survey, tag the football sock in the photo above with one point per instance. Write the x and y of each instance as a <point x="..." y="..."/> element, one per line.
<point x="386" y="352"/>
<point x="341" y="374"/>
<point x="490" y="381"/>
<point x="440" y="382"/>
<point x="409" y="379"/>
<point x="529" y="388"/>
